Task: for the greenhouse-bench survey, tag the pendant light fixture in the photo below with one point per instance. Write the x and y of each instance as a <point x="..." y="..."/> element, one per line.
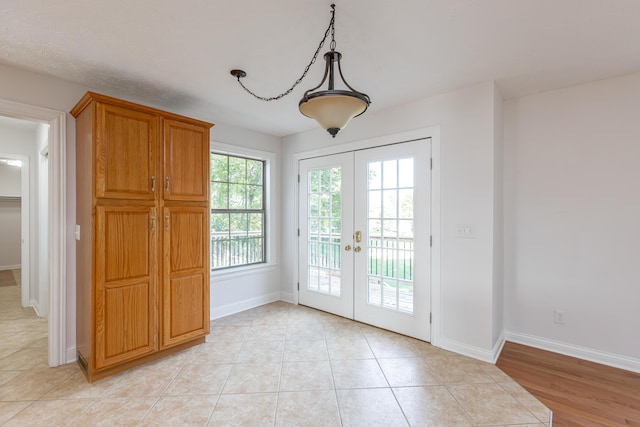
<point x="332" y="108"/>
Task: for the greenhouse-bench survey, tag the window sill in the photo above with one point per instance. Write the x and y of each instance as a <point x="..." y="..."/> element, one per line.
<point x="242" y="271"/>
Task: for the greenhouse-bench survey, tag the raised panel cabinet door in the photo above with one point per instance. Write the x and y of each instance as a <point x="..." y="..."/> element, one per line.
<point x="126" y="316"/>
<point x="126" y="159"/>
<point x="185" y="288"/>
<point x="186" y="162"/>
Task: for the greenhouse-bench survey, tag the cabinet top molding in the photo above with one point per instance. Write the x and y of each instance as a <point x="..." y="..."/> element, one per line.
<point x="92" y="96"/>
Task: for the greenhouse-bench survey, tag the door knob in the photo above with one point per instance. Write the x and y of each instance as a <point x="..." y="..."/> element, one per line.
<point x="357" y="249"/>
<point x="347" y="248"/>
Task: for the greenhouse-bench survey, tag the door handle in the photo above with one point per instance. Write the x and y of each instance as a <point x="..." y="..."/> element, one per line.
<point x="166" y="218"/>
<point x="153" y="183"/>
<point x="166" y="185"/>
<point x="153" y="223"/>
<point x="347" y="248"/>
<point x="357" y="249"/>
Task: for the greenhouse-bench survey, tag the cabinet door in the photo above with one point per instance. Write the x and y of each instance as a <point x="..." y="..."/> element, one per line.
<point x="185" y="288"/>
<point x="126" y="147"/>
<point x="125" y="294"/>
<point x="186" y="161"/>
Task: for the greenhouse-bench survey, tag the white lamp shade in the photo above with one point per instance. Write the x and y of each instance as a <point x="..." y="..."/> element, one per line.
<point x="333" y="111"/>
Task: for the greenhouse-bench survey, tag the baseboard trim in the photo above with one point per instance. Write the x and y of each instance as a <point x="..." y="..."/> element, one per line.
<point x="585" y="353"/>
<point x="287" y="297"/>
<point x="497" y="348"/>
<point x="70" y="354"/>
<point x="467" y="350"/>
<point x="10" y="267"/>
<point x="36" y="307"/>
<point x="237" y="307"/>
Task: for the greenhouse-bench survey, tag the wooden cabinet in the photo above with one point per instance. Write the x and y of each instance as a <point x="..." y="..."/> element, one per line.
<point x="126" y="153"/>
<point x="125" y="285"/>
<point x="186" y="162"/>
<point x="185" y="284"/>
<point x="142" y="197"/>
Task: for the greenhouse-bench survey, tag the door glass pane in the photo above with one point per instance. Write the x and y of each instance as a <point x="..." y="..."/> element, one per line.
<point x="375" y="204"/>
<point x="375" y="175"/>
<point x="405" y="203"/>
<point x="390" y="174"/>
<point x="313" y="278"/>
<point x="390" y="203"/>
<point x="324" y="212"/>
<point x="405" y="177"/>
<point x="390" y="234"/>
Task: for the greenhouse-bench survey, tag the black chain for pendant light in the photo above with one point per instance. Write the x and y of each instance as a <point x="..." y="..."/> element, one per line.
<point x="239" y="73"/>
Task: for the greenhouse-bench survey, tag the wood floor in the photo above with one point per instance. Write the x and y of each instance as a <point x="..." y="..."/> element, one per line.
<point x="579" y="393"/>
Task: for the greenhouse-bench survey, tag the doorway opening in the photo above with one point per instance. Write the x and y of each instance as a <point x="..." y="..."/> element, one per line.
<point x="54" y="274"/>
<point x="369" y="232"/>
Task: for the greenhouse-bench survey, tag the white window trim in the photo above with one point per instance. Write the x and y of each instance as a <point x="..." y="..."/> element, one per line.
<point x="269" y="176"/>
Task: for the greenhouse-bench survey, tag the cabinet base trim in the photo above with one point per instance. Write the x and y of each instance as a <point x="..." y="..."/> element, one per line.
<point x="103" y="373"/>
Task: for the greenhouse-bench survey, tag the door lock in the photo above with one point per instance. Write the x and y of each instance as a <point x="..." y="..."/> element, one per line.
<point x="358" y="236"/>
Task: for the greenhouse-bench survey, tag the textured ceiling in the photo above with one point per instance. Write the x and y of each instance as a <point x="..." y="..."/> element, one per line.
<point x="177" y="55"/>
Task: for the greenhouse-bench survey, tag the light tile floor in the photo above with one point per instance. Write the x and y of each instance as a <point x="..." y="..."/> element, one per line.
<point x="278" y="364"/>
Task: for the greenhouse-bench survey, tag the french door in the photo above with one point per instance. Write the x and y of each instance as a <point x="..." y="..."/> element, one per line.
<point x="364" y="236"/>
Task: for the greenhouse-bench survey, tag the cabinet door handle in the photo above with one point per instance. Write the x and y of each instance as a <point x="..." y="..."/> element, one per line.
<point x="166" y="185"/>
<point x="153" y="183"/>
<point x="153" y="223"/>
<point x="167" y="221"/>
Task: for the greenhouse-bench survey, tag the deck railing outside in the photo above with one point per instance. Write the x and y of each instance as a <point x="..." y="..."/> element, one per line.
<point x="236" y="249"/>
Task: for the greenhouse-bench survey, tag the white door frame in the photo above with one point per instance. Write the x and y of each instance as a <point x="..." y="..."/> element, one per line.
<point x="57" y="220"/>
<point x="430" y="132"/>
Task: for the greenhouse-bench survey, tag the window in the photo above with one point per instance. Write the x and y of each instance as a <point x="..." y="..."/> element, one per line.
<point x="237" y="211"/>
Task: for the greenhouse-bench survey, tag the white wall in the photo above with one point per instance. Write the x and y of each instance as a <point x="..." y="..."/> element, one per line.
<point x="10" y="217"/>
<point x="9" y="180"/>
<point x="240" y="289"/>
<point x="10" y="256"/>
<point x="42" y="163"/>
<point x="498" y="223"/>
<point x="572" y="217"/>
<point x="466" y="120"/>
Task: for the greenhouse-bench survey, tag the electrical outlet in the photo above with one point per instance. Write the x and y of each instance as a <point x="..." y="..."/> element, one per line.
<point x="559" y="316"/>
<point x="467" y="231"/>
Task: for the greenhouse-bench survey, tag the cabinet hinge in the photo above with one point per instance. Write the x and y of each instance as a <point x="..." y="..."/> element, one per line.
<point x="298" y="285"/>
<point x="298" y="232"/>
<point x="430" y="317"/>
<point x="431" y="164"/>
<point x="298" y="178"/>
<point x="430" y="241"/>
